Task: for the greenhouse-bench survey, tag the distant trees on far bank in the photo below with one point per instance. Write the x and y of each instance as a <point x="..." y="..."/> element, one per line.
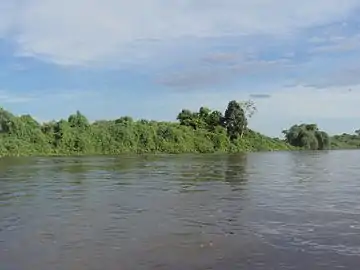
<point x="202" y="131"/>
<point x="307" y="136"/>
<point x="234" y="119"/>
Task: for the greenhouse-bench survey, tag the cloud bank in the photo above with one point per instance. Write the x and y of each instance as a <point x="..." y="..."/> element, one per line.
<point x="83" y="31"/>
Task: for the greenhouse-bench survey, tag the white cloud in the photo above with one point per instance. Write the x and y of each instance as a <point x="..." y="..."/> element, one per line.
<point x="307" y="102"/>
<point x="79" y="31"/>
<point x="50" y="96"/>
<point x="7" y="19"/>
<point x="339" y="44"/>
<point x="336" y="109"/>
<point x="223" y="68"/>
<point x="6" y="97"/>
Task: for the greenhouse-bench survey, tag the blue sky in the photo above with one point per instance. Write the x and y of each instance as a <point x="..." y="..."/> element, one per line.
<point x="298" y="60"/>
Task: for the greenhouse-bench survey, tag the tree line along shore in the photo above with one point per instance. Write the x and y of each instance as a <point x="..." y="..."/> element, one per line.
<point x="202" y="131"/>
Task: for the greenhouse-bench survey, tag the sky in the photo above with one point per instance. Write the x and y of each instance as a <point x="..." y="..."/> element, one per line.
<point x="299" y="61"/>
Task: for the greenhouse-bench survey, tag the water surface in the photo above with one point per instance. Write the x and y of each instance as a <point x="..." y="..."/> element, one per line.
<point x="283" y="210"/>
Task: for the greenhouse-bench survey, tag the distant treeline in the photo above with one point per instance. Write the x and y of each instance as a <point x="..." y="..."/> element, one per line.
<point x="205" y="131"/>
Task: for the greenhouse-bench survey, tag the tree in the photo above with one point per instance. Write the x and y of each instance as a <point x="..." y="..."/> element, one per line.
<point x="323" y="140"/>
<point x="204" y="113"/>
<point x="249" y="108"/>
<point x="196" y="120"/>
<point x="307" y="136"/>
<point x="214" y="120"/>
<point x="186" y="118"/>
<point x="78" y="120"/>
<point x="125" y="120"/>
<point x="6" y="121"/>
<point x="235" y="120"/>
<point x="201" y="131"/>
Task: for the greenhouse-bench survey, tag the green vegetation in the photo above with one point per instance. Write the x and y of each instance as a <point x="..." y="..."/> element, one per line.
<point x="204" y="131"/>
<point x="307" y="136"/>
<point x="346" y="141"/>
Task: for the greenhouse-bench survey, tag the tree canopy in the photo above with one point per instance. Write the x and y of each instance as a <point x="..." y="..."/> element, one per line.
<point x="201" y="131"/>
<point x="307" y="136"/>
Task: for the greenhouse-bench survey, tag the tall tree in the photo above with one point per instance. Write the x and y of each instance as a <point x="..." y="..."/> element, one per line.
<point x="235" y="120"/>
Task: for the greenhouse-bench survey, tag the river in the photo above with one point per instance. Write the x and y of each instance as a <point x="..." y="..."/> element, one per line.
<point x="279" y="210"/>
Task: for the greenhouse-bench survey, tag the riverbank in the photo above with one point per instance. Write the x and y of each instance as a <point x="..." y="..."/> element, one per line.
<point x="205" y="131"/>
<point x="184" y="140"/>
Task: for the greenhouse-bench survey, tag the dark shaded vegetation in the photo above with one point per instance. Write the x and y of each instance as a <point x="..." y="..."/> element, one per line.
<point x="204" y="131"/>
<point x="307" y="136"/>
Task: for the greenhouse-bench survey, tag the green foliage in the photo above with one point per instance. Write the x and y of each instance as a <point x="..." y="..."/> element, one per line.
<point x="235" y="120"/>
<point x="307" y="136"/>
<point x="204" y="131"/>
<point x="346" y="141"/>
<point x="204" y="119"/>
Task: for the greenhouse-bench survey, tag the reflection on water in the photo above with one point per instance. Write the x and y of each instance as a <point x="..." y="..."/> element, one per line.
<point x="235" y="173"/>
<point x="255" y="211"/>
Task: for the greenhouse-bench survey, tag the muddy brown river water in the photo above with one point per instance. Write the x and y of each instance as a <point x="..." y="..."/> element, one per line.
<point x="281" y="210"/>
